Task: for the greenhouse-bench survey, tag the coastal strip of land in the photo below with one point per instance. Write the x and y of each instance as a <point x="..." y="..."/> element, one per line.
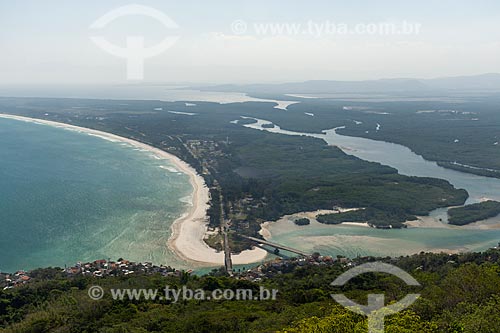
<point x="189" y="230"/>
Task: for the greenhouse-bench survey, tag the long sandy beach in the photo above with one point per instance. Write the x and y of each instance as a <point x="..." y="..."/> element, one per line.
<point x="188" y="231"/>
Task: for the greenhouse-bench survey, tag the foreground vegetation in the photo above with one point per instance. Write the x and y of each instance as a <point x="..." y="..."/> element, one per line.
<point x="459" y="293"/>
<point x="473" y="213"/>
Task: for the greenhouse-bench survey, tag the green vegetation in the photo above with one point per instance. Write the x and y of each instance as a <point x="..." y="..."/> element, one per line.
<point x="473" y="213"/>
<point x="459" y="293"/>
<point x="302" y="221"/>
<point x="215" y="241"/>
<point x="337" y="218"/>
<point x="374" y="217"/>
<point x="467" y="169"/>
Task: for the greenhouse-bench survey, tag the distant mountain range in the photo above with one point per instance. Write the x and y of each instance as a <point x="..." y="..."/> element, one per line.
<point x="484" y="82"/>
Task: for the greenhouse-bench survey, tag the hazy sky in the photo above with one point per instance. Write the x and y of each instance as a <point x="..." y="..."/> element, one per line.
<point x="49" y="41"/>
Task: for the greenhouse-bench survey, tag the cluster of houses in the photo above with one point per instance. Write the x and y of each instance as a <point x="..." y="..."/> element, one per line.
<point x="98" y="268"/>
<point x="121" y="267"/>
<point x="280" y="266"/>
<point x="9" y="281"/>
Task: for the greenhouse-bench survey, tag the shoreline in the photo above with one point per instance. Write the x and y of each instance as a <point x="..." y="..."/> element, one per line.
<point x="188" y="231"/>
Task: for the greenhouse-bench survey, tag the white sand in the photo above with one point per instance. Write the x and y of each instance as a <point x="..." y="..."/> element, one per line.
<point x="429" y="222"/>
<point x="189" y="230"/>
<point x="357" y="224"/>
<point x="432" y="222"/>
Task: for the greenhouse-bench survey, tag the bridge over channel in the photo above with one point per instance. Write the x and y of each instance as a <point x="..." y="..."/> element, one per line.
<point x="276" y="246"/>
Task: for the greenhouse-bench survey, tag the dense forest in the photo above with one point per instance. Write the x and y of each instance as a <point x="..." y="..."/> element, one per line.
<point x="302" y="221"/>
<point x="459" y="293"/>
<point x="374" y="217"/>
<point x="473" y="213"/>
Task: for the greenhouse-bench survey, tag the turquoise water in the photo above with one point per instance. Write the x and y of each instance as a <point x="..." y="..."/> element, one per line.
<point x="67" y="196"/>
<point x="352" y="241"/>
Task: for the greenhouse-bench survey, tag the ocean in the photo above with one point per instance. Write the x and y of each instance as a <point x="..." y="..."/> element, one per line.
<point x="67" y="196"/>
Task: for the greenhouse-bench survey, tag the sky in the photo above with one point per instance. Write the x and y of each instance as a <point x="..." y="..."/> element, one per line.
<point x="49" y="42"/>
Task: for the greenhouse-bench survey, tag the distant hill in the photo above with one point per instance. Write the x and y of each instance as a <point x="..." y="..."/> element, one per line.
<point x="485" y="82"/>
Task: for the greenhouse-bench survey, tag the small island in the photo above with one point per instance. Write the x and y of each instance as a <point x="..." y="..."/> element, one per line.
<point x="473" y="213"/>
<point x="374" y="217"/>
<point x="270" y="125"/>
<point x="302" y="221"/>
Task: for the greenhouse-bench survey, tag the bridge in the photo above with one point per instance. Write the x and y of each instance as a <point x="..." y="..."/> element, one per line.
<point x="228" y="262"/>
<point x="276" y="246"/>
